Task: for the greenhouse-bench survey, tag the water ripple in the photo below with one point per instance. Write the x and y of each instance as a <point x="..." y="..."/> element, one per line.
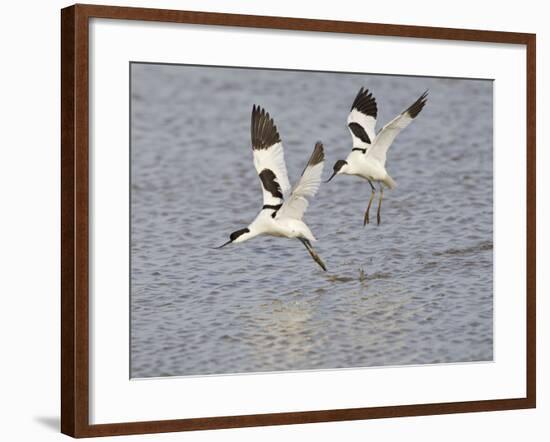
<point x="417" y="289"/>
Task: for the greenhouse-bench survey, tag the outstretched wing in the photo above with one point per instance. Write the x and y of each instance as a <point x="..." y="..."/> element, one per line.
<point x="362" y="120"/>
<point x="269" y="158"/>
<point x="309" y="183"/>
<point x="385" y="137"/>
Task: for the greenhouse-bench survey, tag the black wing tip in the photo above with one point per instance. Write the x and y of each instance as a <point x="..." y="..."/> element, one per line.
<point x="365" y="103"/>
<point x="318" y="155"/>
<point x="263" y="130"/>
<point x="418" y="105"/>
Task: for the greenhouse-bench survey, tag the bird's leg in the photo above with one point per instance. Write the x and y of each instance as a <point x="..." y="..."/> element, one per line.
<point x="313" y="253"/>
<point x="380" y="203"/>
<point x="366" y="219"/>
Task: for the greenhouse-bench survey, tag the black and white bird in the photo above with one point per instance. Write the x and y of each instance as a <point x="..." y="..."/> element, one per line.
<point x="368" y="155"/>
<point x="282" y="210"/>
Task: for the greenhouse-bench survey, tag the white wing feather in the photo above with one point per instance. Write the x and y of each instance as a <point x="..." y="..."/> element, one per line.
<point x="385" y="137"/>
<point x="308" y="185"/>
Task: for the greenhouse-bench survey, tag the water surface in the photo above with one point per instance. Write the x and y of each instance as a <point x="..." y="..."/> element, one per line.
<point x="415" y="290"/>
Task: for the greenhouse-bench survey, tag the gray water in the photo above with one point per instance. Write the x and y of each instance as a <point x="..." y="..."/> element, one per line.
<point x="415" y="290"/>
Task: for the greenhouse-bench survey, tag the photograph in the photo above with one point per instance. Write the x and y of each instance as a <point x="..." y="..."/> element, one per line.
<point x="289" y="220"/>
<point x="275" y="221"/>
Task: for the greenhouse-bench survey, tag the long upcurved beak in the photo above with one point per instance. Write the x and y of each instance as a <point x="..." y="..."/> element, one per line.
<point x="331" y="177"/>
<point x="223" y="245"/>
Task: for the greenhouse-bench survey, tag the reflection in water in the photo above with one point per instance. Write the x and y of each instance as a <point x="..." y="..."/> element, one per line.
<point x="416" y="289"/>
<point x="289" y="323"/>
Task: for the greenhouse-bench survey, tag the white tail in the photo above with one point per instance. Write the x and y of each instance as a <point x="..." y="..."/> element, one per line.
<point x="389" y="182"/>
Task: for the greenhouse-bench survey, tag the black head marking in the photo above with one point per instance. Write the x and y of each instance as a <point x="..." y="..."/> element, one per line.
<point x="359" y="132"/>
<point x="269" y="181"/>
<point x="238" y="233"/>
<point x="338" y="165"/>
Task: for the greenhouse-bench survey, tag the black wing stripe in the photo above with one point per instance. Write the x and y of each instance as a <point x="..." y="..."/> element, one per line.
<point x="263" y="131"/>
<point x="274" y="207"/>
<point x="270" y="183"/>
<point x="365" y="103"/>
<point x="418" y="105"/>
<point x="359" y="132"/>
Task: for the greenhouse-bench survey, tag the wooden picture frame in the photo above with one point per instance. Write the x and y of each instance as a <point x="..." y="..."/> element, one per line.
<point x="75" y="378"/>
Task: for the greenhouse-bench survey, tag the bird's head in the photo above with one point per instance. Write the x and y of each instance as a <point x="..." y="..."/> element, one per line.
<point x="237" y="236"/>
<point x="339" y="167"/>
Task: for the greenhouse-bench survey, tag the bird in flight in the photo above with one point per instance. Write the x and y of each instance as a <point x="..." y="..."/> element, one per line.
<point x="367" y="158"/>
<point x="282" y="210"/>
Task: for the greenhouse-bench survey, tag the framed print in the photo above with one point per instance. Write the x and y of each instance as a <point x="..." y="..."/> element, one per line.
<point x="272" y="220"/>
